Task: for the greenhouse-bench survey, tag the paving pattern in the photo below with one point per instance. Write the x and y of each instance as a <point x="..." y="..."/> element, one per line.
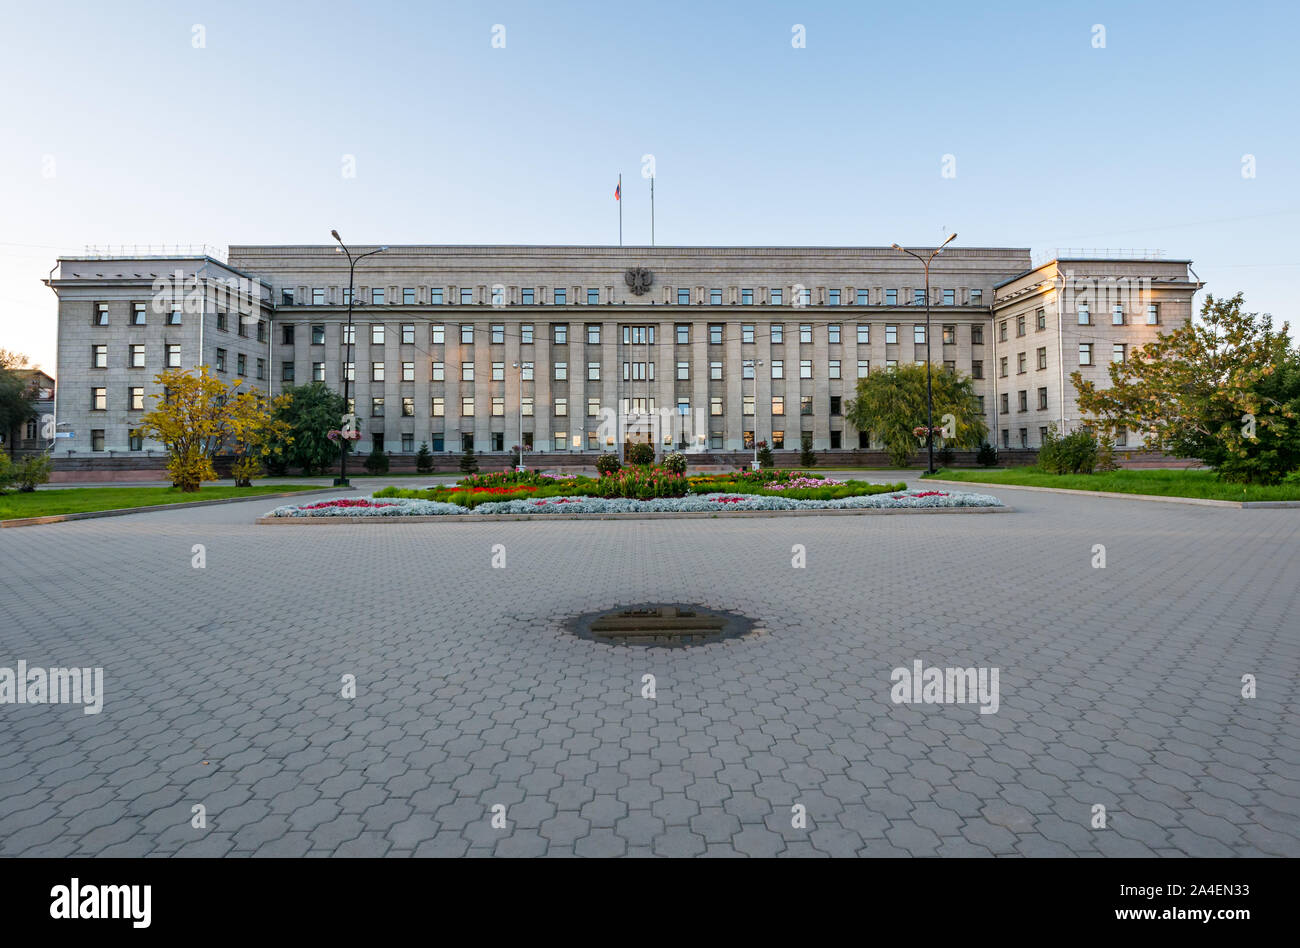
<point x="1119" y="687"/>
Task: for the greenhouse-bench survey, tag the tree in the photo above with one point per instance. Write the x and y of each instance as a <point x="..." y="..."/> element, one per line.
<point x="194" y="418"/>
<point x="806" y="456"/>
<point x="424" y="459"/>
<point x="310" y="412"/>
<point x="468" y="462"/>
<point x="765" y="458"/>
<point x="1225" y="390"/>
<point x="256" y="433"/>
<point x="17" y="396"/>
<point x="892" y="404"/>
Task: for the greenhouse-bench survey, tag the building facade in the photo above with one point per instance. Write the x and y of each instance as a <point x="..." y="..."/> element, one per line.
<point x="581" y="349"/>
<point x="33" y="434"/>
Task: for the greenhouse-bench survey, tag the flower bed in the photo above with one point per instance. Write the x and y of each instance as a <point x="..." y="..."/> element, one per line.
<point x="690" y="503"/>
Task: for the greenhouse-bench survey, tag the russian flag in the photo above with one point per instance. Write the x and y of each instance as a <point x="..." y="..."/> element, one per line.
<point x="618" y="191"/>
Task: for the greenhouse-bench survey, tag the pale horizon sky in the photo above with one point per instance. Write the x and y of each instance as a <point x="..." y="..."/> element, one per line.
<point x="120" y="129"/>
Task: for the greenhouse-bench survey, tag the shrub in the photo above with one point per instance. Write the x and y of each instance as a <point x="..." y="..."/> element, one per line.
<point x="244" y="470"/>
<point x="1074" y="453"/>
<point x="640" y="454"/>
<point x="987" y="455"/>
<point x="468" y="462"/>
<point x="1106" y="454"/>
<point x="765" y="458"/>
<point x="6" y="471"/>
<point x="424" y="459"/>
<point x="377" y="462"/>
<point x="675" y="463"/>
<point x="35" y="469"/>
<point x="607" y="464"/>
<point x="806" y="456"/>
<point x="945" y="456"/>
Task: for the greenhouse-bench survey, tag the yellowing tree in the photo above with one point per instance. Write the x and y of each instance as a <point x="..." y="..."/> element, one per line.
<point x="256" y="430"/>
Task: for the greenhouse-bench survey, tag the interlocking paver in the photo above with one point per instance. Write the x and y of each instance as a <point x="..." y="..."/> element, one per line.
<point x="1119" y="687"/>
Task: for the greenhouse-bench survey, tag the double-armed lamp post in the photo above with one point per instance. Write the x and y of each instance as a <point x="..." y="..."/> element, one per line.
<point x="349" y="423"/>
<point x="929" y="385"/>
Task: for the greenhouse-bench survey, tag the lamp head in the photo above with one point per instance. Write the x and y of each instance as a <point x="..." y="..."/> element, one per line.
<point x="335" y="235"/>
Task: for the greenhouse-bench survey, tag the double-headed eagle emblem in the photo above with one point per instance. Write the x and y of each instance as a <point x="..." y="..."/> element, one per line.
<point x="639" y="280"/>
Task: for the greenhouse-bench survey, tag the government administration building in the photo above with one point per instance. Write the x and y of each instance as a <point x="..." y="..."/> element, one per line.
<point x="701" y="348"/>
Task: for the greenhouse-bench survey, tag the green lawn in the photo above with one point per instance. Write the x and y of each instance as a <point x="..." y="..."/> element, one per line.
<point x="44" y="503"/>
<point x="1164" y="482"/>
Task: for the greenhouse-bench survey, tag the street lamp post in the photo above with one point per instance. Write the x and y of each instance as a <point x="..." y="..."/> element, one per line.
<point x="520" y="399"/>
<point x="929" y="384"/>
<point x="756" y="365"/>
<point x="342" y="479"/>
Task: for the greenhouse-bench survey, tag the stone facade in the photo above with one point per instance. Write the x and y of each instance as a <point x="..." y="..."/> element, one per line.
<point x="446" y="337"/>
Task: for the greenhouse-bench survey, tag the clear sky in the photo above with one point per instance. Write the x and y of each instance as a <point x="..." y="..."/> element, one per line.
<point x="120" y="127"/>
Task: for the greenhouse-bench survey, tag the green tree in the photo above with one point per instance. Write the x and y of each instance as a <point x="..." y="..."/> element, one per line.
<point x="806" y="456"/>
<point x="310" y="412"/>
<point x="17" y="396"/>
<point x="424" y="459"/>
<point x="1224" y="389"/>
<point x="468" y="461"/>
<point x="892" y="404"/>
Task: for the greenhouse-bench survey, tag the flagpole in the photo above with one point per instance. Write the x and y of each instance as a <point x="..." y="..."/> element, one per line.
<point x="652" y="215"/>
<point x="620" y="210"/>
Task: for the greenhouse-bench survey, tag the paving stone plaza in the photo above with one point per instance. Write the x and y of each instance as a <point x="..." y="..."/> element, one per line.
<point x="1119" y="686"/>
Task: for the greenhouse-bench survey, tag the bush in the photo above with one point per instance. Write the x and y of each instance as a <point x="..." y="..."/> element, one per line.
<point x="607" y="464"/>
<point x="468" y="462"/>
<point x="6" y="471"/>
<point x="675" y="462"/>
<point x="35" y="469"/>
<point x="244" y="470"/>
<point x="987" y="455"/>
<point x="765" y="458"/>
<point x="641" y="454"/>
<point x="945" y="456"/>
<point x="1075" y="453"/>
<point x="424" y="459"/>
<point x="806" y="456"/>
<point x="1106" y="454"/>
<point x="376" y="462"/>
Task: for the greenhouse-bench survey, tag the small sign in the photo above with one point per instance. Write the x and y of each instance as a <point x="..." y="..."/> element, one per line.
<point x="65" y="434"/>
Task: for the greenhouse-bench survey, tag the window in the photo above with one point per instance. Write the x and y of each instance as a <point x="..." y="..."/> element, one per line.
<point x="833" y="334"/>
<point x="864" y="334"/>
<point x="593" y="407"/>
<point x="349" y="335"/>
<point x="350" y="371"/>
<point x="377" y="296"/>
<point x="979" y="400"/>
<point x="977" y="335"/>
<point x="778" y="368"/>
<point x="1040" y="319"/>
<point x="408" y="371"/>
<point x="1023" y="399"/>
<point x="239" y="325"/>
<point x="318" y="296"/>
<point x="832" y="297"/>
<point x="526" y="334"/>
<point x="1020" y="325"/>
<point x="805" y="297"/>
<point x="949" y="297"/>
<point x="286" y="370"/>
<point x="778" y="404"/>
<point x="174" y="319"/>
<point x="1002" y="331"/>
<point x="466" y="441"/>
<point x="835" y="404"/>
<point x="467" y="296"/>
<point x="221" y="360"/>
<point x="1002" y="367"/>
<point x="439" y="407"/>
<point x="498" y="371"/>
<point x="864" y="367"/>
<point x="97" y="439"/>
<point x="317" y="334"/>
<point x="261" y="368"/>
<point x="1117" y="352"/>
<point x="593" y="334"/>
<point x="1024" y="437"/>
<point x="805" y="332"/>
<point x="99" y="356"/>
<point x="918" y="334"/>
<point x="560" y="333"/>
<point x="439" y="372"/>
<point x="683" y="334"/>
<point x="1042" y="357"/>
<point x="561" y="441"/>
<point x="467" y="406"/>
<point x="593" y="371"/>
<point x="561" y="371"/>
<point x="408" y="334"/>
<point x="805" y="369"/>
<point x="561" y="407"/>
<point x="837" y="440"/>
<point x="467" y="371"/>
<point x="683" y="297"/>
<point x="891" y="297"/>
<point x="498" y="405"/>
<point x="950" y="335"/>
<point x="833" y="370"/>
<point x="526" y="296"/>
<point x="1117" y="315"/>
<point x="715" y="370"/>
<point x="408" y="406"/>
<point x="1005" y="405"/>
<point x="1085" y="353"/>
<point x="318" y="371"/>
<point x="864" y="298"/>
<point x="775" y="296"/>
<point x="222" y="324"/>
<point x="99" y="399"/>
<point x="377" y="334"/>
<point x="977" y="368"/>
<point x="435" y="296"/>
<point x="805" y="404"/>
<point x="408" y="442"/>
<point x="1021" y="362"/>
<point x="347" y="297"/>
<point x="466" y="334"/>
<point x="593" y="297"/>
<point x="1006" y="438"/>
<point x="891" y="335"/>
<point x="747" y="333"/>
<point x="976" y="297"/>
<point x="377" y="406"/>
<point x="1121" y="437"/>
<point x="261" y="330"/>
<point x="1042" y="399"/>
<point x="436" y="440"/>
<point x="526" y="371"/>
<point x="715" y="297"/>
<point x="715" y="334"/>
<point x="747" y="369"/>
<point x="778" y="334"/>
<point x="376" y="371"/>
<point x="136" y="442"/>
<point x="715" y="405"/>
<point x="918" y="297"/>
<point x="135" y="398"/>
<point x="747" y="404"/>
<point x="746" y="297"/>
<point x="638" y="335"/>
<point x="1084" y="318"/>
<point x="559" y="296"/>
<point x="498" y="334"/>
<point x="138" y="314"/>
<point x="241" y="363"/>
<point x="1153" y="319"/>
<point x="100" y="317"/>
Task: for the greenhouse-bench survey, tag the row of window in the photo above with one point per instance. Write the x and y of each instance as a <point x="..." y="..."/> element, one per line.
<point x="139" y="315"/>
<point x="802" y="296"/>
<point x="1118" y="353"/>
<point x="1118" y="317"/>
<point x="560" y="406"/>
<point x="136" y="359"/>
<point x="1121" y="437"/>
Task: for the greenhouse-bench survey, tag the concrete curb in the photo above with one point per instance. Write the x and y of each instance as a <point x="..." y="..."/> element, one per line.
<point x="122" y="511"/>
<point x="649" y="515"/>
<point x="1116" y="495"/>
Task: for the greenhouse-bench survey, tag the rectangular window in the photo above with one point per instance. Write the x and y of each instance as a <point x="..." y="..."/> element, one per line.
<point x="526" y="296"/>
<point x="864" y="367"/>
<point x="715" y="334"/>
<point x="1117" y="352"/>
<point x="135" y="401"/>
<point x="593" y="371"/>
<point x="746" y="297"/>
<point x="805" y="332"/>
<point x="593" y="297"/>
<point x="439" y="373"/>
<point x="918" y="297"/>
<point x="377" y="406"/>
<point x="526" y="405"/>
<point x="1023" y="400"/>
<point x="317" y="334"/>
<point x="778" y="368"/>
<point x="526" y="334"/>
<point x="1085" y="353"/>
<point x="891" y="335"/>
<point x="835" y="404"/>
<point x="559" y="296"/>
<point x="747" y="404"/>
<point x="1042" y="357"/>
<point x="977" y="335"/>
<point x="408" y="442"/>
<point x="918" y="335"/>
<point x="1020" y="325"/>
<point x="99" y="356"/>
<point x="408" y="296"/>
<point x="349" y="335"/>
<point x="436" y="296"/>
<point x="97" y="439"/>
<point x="467" y="296"/>
<point x="1042" y="399"/>
<point x="526" y="372"/>
<point x="377" y="334"/>
<point x="377" y="296"/>
<point x="949" y="297"/>
<point x="1153" y="318"/>
<point x="99" y="399"/>
<point x="593" y="334"/>
<point x="805" y="369"/>
<point x="467" y="371"/>
<point x="715" y="297"/>
<point x="1121" y="438"/>
<point x="977" y="369"/>
<point x="467" y="406"/>
<point x="239" y="325"/>
<point x="593" y="408"/>
<point x="715" y="405"/>
<point x="222" y="325"/>
<point x="138" y="311"/>
<point x="1006" y="406"/>
<point x="408" y="406"/>
<point x="221" y="360"/>
<point x="1021" y="360"/>
<point x="805" y="297"/>
<point x="864" y="297"/>
<point x="891" y="297"/>
<point x="1040" y="319"/>
<point x="746" y="369"/>
<point x="864" y="334"/>
<point x="976" y="297"/>
<point x="747" y="333"/>
<point x="174" y="319"/>
<point x="498" y="406"/>
<point x="833" y="370"/>
<point x="347" y="297"/>
<point x="1117" y="315"/>
<point x="715" y="370"/>
<point x="467" y="334"/>
<point x="439" y="407"/>
<point x="1084" y="318"/>
<point x="805" y="404"/>
<point x="318" y="371"/>
<point x="833" y="334"/>
<point x="775" y="296"/>
<point x="683" y="334"/>
<point x="350" y="371"/>
<point x="498" y="371"/>
<point x="261" y="368"/>
<point x="241" y="364"/>
<point x="1002" y="367"/>
<point x="561" y="371"/>
<point x="286" y="371"/>
<point x="408" y="334"/>
<point x="1002" y="331"/>
<point x="498" y="334"/>
<point x="561" y="407"/>
<point x="832" y="297"/>
<point x="683" y="297"/>
<point x="778" y="404"/>
<point x="376" y="371"/>
<point x="561" y="441"/>
<point x="778" y="334"/>
<point x="318" y="296"/>
<point x="949" y="335"/>
<point x="100" y="316"/>
<point x="560" y="333"/>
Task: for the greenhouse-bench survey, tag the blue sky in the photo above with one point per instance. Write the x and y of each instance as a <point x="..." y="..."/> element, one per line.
<point x="119" y="130"/>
